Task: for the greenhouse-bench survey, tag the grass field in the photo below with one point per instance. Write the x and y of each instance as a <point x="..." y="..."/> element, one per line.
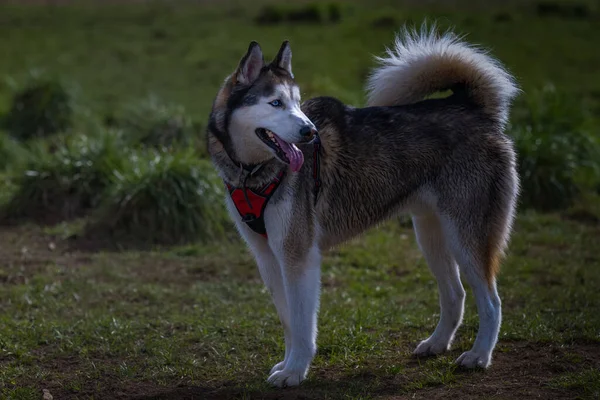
<point x="120" y="53"/>
<point x="83" y="317"/>
<point x="195" y="321"/>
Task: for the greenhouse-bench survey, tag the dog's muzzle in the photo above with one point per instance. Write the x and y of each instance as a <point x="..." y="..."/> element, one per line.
<point x="308" y="133"/>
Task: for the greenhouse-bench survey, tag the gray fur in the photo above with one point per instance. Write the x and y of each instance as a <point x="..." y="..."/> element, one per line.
<point x="445" y="161"/>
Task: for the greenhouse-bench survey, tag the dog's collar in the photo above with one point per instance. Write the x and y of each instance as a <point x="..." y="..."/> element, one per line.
<point x="251" y="203"/>
<point x="251" y="169"/>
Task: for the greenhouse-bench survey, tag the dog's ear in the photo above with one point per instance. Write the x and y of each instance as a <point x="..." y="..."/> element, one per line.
<point x="284" y="57"/>
<point x="250" y="65"/>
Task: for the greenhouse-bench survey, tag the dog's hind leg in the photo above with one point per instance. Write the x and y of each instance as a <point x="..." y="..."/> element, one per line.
<point x="432" y="243"/>
<point x="477" y="259"/>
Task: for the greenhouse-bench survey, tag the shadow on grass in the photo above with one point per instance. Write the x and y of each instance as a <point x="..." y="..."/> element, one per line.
<point x="520" y="370"/>
<point x="345" y="387"/>
<point x="419" y="374"/>
<point x="364" y="384"/>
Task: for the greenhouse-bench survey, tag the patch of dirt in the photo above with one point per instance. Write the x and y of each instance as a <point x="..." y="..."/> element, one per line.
<point x="26" y="251"/>
<point x="521" y="370"/>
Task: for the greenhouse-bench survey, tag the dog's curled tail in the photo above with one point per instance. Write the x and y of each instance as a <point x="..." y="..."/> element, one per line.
<point x="422" y="63"/>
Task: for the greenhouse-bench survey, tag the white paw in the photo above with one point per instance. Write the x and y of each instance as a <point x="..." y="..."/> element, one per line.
<point x="472" y="359"/>
<point x="277" y="367"/>
<point x="285" y="378"/>
<point x="431" y="347"/>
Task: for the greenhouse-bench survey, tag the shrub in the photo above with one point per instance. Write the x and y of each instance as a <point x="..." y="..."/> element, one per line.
<point x="335" y="12"/>
<point x="502" y="17"/>
<point x="40" y="107"/>
<point x="270" y="15"/>
<point x="312" y="13"/>
<point x="164" y="197"/>
<point x="11" y="152"/>
<point x="384" y="22"/>
<point x="558" y="156"/>
<point x="155" y="123"/>
<point x="7" y="188"/>
<point x="565" y="10"/>
<point x="66" y="180"/>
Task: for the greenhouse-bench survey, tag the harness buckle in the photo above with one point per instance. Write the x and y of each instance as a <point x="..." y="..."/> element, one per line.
<point x="249" y="218"/>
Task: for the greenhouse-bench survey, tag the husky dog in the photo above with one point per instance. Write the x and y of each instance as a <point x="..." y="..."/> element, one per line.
<point x="304" y="178"/>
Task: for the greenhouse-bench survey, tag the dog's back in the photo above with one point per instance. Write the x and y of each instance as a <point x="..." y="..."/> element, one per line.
<point x="403" y="152"/>
<point x="446" y="161"/>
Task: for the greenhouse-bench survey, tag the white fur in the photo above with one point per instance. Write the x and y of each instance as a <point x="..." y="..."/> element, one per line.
<point x="285" y="122"/>
<point x="446" y="253"/>
<point x="295" y="289"/>
<point x="430" y="237"/>
<point x="302" y="288"/>
<point x="422" y="63"/>
<point x="486" y="298"/>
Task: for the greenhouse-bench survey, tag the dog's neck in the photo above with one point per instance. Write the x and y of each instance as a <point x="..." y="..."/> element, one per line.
<point x="239" y="174"/>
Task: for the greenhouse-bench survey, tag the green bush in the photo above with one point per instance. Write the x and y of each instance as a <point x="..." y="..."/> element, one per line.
<point x="270" y="15"/>
<point x="41" y="106"/>
<point x="164" y="197"/>
<point x="335" y="12"/>
<point x="63" y="180"/>
<point x="11" y="152"/>
<point x="564" y="10"/>
<point x="154" y="123"/>
<point x="558" y="155"/>
<point x="312" y="13"/>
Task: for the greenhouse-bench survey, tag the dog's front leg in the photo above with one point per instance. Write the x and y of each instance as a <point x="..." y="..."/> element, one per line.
<point x="301" y="272"/>
<point x="271" y="274"/>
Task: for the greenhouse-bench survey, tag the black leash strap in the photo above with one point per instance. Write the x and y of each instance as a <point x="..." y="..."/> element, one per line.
<point x="254" y="171"/>
<point x="317" y="167"/>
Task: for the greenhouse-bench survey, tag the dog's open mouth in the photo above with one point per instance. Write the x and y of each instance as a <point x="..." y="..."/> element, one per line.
<point x="286" y="152"/>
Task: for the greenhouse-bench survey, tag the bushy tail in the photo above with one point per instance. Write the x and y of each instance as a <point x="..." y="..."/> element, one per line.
<point x="422" y="63"/>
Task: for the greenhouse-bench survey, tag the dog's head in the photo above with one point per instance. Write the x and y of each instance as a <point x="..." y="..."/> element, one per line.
<point x="257" y="110"/>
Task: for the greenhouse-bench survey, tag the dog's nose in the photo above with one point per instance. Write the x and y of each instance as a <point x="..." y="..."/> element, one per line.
<point x="308" y="131"/>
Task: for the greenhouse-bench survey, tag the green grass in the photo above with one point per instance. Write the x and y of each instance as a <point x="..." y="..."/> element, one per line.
<point x="164" y="196"/>
<point x="64" y="178"/>
<point x="195" y="321"/>
<point x="198" y="317"/>
<point x="153" y="123"/>
<point x="558" y="150"/>
<point x="152" y="70"/>
<point x="181" y="53"/>
<point x="11" y="152"/>
<point x="40" y="106"/>
<point x="587" y="381"/>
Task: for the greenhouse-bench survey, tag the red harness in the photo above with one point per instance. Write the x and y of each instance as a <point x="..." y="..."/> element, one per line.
<point x="251" y="204"/>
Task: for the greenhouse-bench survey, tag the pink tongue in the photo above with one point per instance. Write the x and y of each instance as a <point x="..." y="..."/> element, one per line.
<point x="293" y="154"/>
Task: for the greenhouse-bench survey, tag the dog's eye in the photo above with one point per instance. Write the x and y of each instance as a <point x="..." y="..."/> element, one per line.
<point x="276" y="103"/>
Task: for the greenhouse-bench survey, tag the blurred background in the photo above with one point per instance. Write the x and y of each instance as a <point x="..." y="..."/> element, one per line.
<point x="109" y="207"/>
